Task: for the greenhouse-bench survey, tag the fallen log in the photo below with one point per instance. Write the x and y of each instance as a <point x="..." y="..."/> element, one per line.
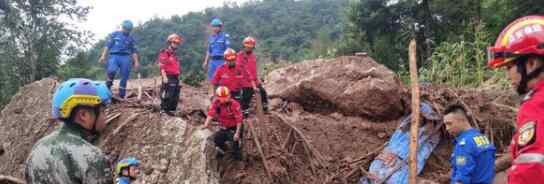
<point x="10" y="179"/>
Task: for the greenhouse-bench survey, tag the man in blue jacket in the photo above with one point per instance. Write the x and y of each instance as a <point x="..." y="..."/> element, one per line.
<point x="121" y="47"/>
<point x="218" y="42"/>
<point x="473" y="158"/>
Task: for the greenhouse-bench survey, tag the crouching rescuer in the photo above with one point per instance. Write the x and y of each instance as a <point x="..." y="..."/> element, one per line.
<point x="227" y="112"/>
<point x="170" y="70"/>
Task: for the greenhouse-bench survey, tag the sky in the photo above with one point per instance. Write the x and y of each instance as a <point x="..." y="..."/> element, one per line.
<point x="106" y="15"/>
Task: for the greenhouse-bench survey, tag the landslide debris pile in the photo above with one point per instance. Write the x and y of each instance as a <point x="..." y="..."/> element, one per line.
<point x="328" y="119"/>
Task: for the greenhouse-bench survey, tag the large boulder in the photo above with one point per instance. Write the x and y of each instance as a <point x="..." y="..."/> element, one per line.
<point x="355" y="86"/>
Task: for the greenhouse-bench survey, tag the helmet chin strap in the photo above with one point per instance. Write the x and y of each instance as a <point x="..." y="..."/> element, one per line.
<point x="526" y="77"/>
<point x="93" y="131"/>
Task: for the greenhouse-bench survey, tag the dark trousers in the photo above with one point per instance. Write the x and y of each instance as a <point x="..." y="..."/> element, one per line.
<point x="227" y="134"/>
<point x="170" y="93"/>
<point x="247" y="95"/>
<point x="237" y="95"/>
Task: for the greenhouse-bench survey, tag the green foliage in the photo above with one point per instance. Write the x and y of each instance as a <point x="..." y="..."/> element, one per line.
<point x="452" y="36"/>
<point x="193" y="78"/>
<point x="462" y="64"/>
<point x="33" y="35"/>
<point x="285" y="30"/>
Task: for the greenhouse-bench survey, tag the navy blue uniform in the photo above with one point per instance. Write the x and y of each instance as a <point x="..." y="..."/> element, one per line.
<point x="217" y="44"/>
<point x="121" y="46"/>
<point x="473" y="159"/>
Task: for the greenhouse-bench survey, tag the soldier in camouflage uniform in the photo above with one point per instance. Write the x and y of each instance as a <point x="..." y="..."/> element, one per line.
<point x="66" y="155"/>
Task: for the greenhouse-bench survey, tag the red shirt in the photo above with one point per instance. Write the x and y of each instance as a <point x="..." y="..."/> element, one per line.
<point x="228" y="115"/>
<point x="530" y="118"/>
<point x="248" y="61"/>
<point x="232" y="78"/>
<point x="168" y="61"/>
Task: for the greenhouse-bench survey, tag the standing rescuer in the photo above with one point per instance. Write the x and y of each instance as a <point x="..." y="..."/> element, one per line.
<point x="120" y="46"/>
<point x="169" y="65"/>
<point x="228" y="114"/>
<point x="247" y="60"/>
<point x="127" y="170"/>
<point x="218" y="42"/>
<point x="520" y="50"/>
<point x="232" y="76"/>
<point x="67" y="155"/>
<point x="473" y="158"/>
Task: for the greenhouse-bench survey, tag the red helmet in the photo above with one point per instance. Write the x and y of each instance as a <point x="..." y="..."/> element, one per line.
<point x="524" y="36"/>
<point x="230" y="54"/>
<point x="222" y="92"/>
<point x="249" y="42"/>
<point x="174" y="38"/>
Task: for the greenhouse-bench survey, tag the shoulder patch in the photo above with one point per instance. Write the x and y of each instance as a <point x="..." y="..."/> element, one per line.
<point x="481" y="141"/>
<point x="526" y="133"/>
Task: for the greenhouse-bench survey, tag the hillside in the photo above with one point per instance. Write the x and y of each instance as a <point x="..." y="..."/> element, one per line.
<point x="285" y="30"/>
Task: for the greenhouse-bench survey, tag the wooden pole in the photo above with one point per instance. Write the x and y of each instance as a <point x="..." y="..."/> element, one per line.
<point x="139" y="87"/>
<point x="260" y="120"/>
<point x="260" y="150"/>
<point x="415" y="113"/>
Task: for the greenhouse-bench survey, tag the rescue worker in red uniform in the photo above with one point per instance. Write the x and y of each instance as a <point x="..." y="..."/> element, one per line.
<point x="520" y="50"/>
<point x="227" y="112"/>
<point x="232" y="75"/>
<point x="169" y="65"/>
<point x="247" y="60"/>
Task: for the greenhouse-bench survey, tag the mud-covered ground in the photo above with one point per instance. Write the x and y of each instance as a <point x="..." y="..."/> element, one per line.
<point x="311" y="138"/>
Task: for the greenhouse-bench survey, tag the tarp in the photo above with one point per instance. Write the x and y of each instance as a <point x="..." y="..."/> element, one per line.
<point x="396" y="172"/>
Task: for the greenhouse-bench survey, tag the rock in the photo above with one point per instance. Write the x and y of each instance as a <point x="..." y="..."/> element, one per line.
<point x="355" y="86"/>
<point x="163" y="165"/>
<point x="170" y="148"/>
<point x="23" y="121"/>
<point x="275" y="103"/>
<point x="382" y="135"/>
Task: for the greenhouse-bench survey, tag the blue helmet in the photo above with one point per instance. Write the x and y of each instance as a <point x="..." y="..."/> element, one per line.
<point x="216" y="22"/>
<point x="125" y="163"/>
<point x="78" y="92"/>
<point x="127" y="25"/>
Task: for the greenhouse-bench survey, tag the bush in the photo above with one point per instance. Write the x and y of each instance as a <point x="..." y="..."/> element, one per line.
<point x="193" y="78"/>
<point x="463" y="64"/>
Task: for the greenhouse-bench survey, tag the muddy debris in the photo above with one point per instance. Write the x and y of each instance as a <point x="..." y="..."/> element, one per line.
<point x="319" y="129"/>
